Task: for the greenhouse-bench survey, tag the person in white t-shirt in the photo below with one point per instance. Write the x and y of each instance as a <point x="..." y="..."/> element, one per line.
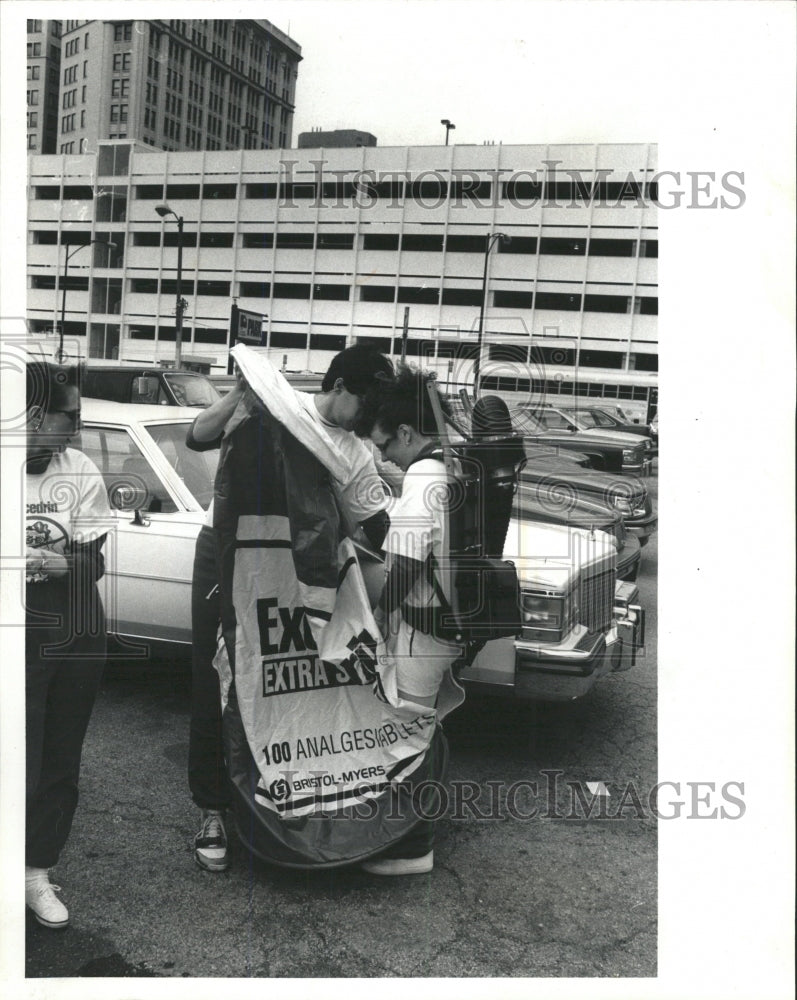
<point x="404" y="430"/>
<point x="362" y="502"/>
<point x="67" y="517"/>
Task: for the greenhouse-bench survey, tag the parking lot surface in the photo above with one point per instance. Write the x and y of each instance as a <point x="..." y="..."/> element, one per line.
<point x="541" y="874"/>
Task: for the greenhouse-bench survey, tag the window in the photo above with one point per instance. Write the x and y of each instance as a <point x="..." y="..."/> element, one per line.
<point x="215" y="239"/>
<point x="600" y="359"/>
<point x="418" y="295"/>
<point x="34" y="27"/>
<point x="33" y="119"/>
<point x="466" y="243"/>
<point x="123" y="32"/>
<point x="462" y="297"/>
<point x="120" y="87"/>
<point x="295" y="241"/>
<point x="32" y="141"/>
<point x="646" y="305"/>
<point x="563" y="246"/>
<point x="338" y="293"/>
<point x="186" y="191"/>
<point x="291" y="290"/>
<point x="33" y="98"/>
<point x="512" y="300"/>
<point x="258" y="241"/>
<point x="219" y="190"/>
<point x="34" y="50"/>
<point x="420" y="241"/>
<point x="648" y="248"/>
<point x="380" y="241"/>
<point x="607" y="303"/>
<point x="34" y="72"/>
<point x="255" y="289"/>
<point x="130" y="480"/>
<point x="335" y="241"/>
<point x="221" y="288"/>
<point x="147" y="239"/>
<point x="611" y="248"/>
<point x="171" y="236"/>
<point x="78" y="192"/>
<point x="518" y="244"/>
<point x="558" y="300"/>
<point x="377" y="293"/>
<point x="121" y="62"/>
<point x="147" y="286"/>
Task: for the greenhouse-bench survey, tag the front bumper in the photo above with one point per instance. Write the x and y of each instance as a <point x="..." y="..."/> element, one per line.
<point x="642" y="527"/>
<point x="535" y="671"/>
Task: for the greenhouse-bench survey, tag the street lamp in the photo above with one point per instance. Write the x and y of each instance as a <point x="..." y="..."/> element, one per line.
<point x="492" y="239"/>
<point x="105" y="243"/>
<point x="449" y="125"/>
<point x="163" y="210"/>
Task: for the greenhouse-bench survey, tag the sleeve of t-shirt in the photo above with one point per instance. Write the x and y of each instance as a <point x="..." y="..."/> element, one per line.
<point x="192" y="443"/>
<point x="93" y="515"/>
<point x="412" y="520"/>
<point x="363" y="494"/>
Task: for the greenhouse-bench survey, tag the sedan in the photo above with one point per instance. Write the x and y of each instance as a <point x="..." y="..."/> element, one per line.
<point x="612" y="420"/>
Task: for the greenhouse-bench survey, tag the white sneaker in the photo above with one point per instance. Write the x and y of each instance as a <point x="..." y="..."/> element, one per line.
<point x="210" y="844"/>
<point x="399" y="866"/>
<point x="41" y="899"/>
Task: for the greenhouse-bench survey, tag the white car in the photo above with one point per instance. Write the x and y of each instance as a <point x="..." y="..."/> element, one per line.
<point x="580" y="621"/>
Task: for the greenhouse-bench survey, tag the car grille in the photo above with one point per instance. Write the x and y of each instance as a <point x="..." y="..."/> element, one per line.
<point x="596" y="600"/>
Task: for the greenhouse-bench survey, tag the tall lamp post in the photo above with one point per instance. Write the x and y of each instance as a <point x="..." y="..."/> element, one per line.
<point x="163" y="210"/>
<point x="492" y="239"/>
<point x="449" y="125"/>
<point x="105" y="243"/>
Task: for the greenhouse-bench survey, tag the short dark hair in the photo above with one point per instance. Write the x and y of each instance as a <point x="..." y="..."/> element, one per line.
<point x="358" y="367"/>
<point x="402" y="400"/>
<point x="45" y="384"/>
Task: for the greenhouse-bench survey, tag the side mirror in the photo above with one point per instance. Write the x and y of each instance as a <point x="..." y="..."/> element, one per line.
<point x="145" y="386"/>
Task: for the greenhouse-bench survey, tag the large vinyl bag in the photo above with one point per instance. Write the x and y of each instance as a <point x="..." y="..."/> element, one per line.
<point x="319" y="746"/>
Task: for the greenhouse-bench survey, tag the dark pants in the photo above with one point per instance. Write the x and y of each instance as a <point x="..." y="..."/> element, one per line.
<point x="207" y="770"/>
<point x="60" y="690"/>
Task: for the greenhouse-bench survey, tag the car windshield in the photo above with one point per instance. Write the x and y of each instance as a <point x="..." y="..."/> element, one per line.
<point x="197" y="469"/>
<point x="192" y="390"/>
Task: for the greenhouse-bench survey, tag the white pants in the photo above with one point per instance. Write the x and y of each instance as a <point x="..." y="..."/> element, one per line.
<point x="423" y="666"/>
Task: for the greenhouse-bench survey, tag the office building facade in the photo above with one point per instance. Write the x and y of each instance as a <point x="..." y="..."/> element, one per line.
<point x="177" y="85"/>
<point x="43" y="66"/>
<point x="331" y="247"/>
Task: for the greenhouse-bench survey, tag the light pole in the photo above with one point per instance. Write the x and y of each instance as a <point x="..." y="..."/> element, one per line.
<point x="105" y="243"/>
<point x="449" y="125"/>
<point x="163" y="210"/>
<point x="492" y="239"/>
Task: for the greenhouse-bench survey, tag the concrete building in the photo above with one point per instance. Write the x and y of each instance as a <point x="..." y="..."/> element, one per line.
<point x="177" y="85"/>
<point x="340" y="138"/>
<point x="330" y="248"/>
<point x="44" y="63"/>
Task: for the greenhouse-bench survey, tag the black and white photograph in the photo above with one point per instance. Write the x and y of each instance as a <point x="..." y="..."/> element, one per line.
<point x="357" y="628"/>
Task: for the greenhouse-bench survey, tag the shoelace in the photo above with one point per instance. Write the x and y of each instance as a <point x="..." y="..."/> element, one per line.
<point x="42" y="887"/>
<point x="213" y="828"/>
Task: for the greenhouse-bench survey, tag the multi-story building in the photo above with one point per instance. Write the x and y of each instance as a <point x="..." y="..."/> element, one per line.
<point x="203" y="84"/>
<point x="44" y="62"/>
<point x="331" y="247"/>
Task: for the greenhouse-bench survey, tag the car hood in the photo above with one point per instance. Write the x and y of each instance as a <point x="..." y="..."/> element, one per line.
<point x="551" y="556"/>
<point x="587" y="482"/>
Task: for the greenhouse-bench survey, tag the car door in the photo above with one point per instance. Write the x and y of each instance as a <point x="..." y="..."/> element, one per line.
<point x="149" y="555"/>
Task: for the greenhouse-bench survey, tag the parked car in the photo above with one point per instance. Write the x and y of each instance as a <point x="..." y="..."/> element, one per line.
<point x="549" y="425"/>
<point x="147" y="385"/>
<point x="580" y="620"/>
<point x="607" y="419"/>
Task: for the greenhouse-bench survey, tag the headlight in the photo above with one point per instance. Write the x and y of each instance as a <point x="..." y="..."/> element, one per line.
<point x="622" y="504"/>
<point x="542" y="612"/>
<point x="631" y="455"/>
<point x="545" y="617"/>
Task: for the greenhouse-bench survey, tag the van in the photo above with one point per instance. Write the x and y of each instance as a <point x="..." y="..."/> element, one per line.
<point x="148" y="384"/>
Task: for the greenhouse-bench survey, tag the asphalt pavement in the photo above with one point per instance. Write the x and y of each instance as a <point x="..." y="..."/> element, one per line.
<point x="557" y="880"/>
